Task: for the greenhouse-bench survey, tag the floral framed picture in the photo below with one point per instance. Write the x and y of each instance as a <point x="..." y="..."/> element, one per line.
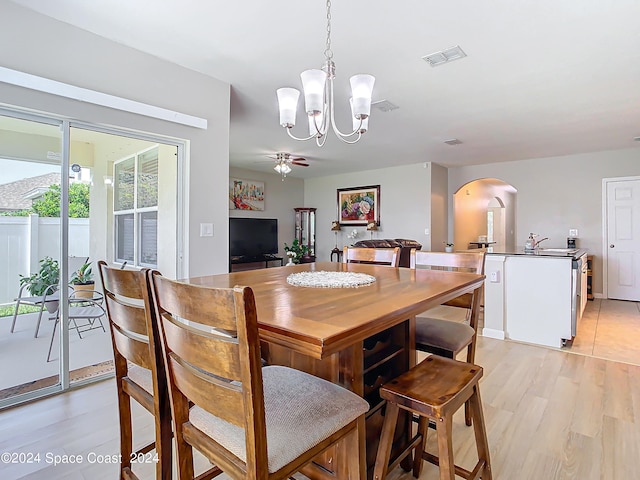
<point x="359" y="205"/>
<point x="246" y="194"/>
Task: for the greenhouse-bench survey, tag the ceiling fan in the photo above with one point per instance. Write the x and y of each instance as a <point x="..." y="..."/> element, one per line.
<point x="284" y="162"/>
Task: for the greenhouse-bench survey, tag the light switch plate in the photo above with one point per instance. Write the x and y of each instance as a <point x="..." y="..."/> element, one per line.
<point x="206" y="229"/>
<point x="573" y="232"/>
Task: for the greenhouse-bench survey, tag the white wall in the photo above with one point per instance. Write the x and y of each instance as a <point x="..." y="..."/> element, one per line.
<point x="558" y="193"/>
<point x="64" y="53"/>
<point x="439" y="210"/>
<point x="404" y="204"/>
<point x="280" y="198"/>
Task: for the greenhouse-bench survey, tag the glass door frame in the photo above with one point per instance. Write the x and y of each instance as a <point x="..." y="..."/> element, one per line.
<point x="182" y="234"/>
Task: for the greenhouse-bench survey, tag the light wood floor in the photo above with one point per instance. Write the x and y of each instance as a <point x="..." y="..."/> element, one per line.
<point x="550" y="414"/>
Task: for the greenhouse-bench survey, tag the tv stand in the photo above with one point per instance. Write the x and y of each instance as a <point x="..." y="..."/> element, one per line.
<point x="253" y="262"/>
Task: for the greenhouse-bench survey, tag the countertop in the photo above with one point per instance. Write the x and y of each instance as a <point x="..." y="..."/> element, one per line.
<point x="541" y="252"/>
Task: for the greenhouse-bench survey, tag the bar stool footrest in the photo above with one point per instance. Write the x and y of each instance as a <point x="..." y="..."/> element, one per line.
<point x="461" y="472"/>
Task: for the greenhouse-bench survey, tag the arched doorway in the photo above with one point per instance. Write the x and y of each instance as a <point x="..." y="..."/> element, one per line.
<point x="485" y="208"/>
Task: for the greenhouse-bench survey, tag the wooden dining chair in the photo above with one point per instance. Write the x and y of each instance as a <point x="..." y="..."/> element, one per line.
<point x="444" y="337"/>
<point x="373" y="256"/>
<point x="252" y="422"/>
<point x="139" y="367"/>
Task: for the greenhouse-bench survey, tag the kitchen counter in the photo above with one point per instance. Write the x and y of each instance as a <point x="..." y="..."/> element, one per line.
<point x="573" y="253"/>
<point x="532" y="296"/>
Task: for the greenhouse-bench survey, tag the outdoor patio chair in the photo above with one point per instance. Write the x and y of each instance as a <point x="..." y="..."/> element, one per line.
<point x="48" y="300"/>
<point x="81" y="308"/>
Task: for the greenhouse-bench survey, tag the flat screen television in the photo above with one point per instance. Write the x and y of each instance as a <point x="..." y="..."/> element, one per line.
<point x="253" y="237"/>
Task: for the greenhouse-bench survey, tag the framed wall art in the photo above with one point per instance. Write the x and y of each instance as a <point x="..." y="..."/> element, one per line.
<point x="246" y="194"/>
<point x="359" y="205"/>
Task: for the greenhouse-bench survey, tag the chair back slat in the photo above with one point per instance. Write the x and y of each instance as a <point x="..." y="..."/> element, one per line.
<point x="373" y="256"/>
<point x="128" y="314"/>
<point x="472" y="262"/>
<point x="208" y="307"/>
<point x="135" y="350"/>
<point x="197" y="347"/>
<point x="459" y="261"/>
<point x="200" y="388"/>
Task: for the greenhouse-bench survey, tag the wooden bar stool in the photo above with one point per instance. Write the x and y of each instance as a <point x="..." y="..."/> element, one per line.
<point x="434" y="390"/>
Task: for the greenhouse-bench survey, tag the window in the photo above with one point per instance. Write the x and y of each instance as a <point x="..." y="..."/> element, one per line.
<point x="135" y="209"/>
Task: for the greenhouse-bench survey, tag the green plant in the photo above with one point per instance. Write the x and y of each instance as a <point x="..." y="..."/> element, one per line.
<point x="49" y="274"/>
<point x="82" y="276"/>
<point x="299" y="250"/>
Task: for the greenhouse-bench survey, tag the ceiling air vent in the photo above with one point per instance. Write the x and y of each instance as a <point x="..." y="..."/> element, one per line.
<point x="453" y="142"/>
<point x="448" y="55"/>
<point x="384" y="105"/>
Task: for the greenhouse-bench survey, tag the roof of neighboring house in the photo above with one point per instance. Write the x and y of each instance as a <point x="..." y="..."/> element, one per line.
<point x="18" y="195"/>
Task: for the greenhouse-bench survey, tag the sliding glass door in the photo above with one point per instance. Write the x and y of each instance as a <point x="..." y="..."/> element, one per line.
<point x="117" y="200"/>
<point x="30" y="241"/>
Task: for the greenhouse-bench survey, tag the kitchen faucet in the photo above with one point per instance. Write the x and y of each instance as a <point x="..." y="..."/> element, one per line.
<point x="538" y="242"/>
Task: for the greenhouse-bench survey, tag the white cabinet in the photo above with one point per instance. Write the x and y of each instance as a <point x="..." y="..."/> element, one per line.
<point x="531" y="301"/>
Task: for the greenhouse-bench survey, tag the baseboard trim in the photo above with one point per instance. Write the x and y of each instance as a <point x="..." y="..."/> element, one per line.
<point x="492" y="333"/>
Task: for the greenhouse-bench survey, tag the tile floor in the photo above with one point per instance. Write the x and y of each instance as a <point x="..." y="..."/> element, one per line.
<point x="609" y="329"/>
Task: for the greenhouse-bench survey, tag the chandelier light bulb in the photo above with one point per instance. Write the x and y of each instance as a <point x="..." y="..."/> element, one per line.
<point x="313" y="82"/>
<point x="288" y="101"/>
<point x="361" y="89"/>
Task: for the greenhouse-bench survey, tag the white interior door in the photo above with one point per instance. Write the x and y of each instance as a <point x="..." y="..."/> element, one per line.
<point x="623" y="239"/>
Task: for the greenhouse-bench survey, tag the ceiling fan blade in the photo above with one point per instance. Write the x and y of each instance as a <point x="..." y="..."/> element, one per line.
<point x="300" y="164"/>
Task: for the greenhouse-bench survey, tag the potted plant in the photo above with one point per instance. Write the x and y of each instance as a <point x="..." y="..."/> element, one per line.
<point x="45" y="281"/>
<point x="82" y="281"/>
<point x="297" y="249"/>
<point x="448" y="247"/>
<point x="49" y="274"/>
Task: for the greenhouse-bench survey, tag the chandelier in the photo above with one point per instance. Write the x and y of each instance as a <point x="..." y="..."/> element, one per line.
<point x="318" y="99"/>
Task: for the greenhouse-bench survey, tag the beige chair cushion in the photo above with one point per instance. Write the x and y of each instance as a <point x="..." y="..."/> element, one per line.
<point x="443" y="334"/>
<point x="300" y="410"/>
<point x="141" y="376"/>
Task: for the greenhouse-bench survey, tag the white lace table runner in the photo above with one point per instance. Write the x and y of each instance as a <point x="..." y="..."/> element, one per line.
<point x="330" y="279"/>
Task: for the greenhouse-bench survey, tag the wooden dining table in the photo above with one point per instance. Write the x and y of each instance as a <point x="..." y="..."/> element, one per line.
<point x="356" y="337"/>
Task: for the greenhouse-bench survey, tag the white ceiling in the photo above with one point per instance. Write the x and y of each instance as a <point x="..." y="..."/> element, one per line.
<point x="542" y="78"/>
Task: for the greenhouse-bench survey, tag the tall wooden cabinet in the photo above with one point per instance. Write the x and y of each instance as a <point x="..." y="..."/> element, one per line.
<point x="306" y="231"/>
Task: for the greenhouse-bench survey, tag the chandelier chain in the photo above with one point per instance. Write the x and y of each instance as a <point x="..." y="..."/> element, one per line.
<point x="328" y="53"/>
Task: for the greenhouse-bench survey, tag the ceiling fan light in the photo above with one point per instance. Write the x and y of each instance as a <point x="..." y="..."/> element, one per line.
<point x="288" y="104"/>
<point x="313" y="82"/>
<point x="361" y="91"/>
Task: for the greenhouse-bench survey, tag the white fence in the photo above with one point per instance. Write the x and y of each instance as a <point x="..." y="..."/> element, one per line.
<point x="24" y="241"/>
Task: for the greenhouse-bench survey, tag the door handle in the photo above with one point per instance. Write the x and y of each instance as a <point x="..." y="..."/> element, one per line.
<point x="612" y="246"/>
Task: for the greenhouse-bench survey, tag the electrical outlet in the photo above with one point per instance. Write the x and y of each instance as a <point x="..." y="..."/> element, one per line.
<point x="573" y="232"/>
<point x="494" y="277"/>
